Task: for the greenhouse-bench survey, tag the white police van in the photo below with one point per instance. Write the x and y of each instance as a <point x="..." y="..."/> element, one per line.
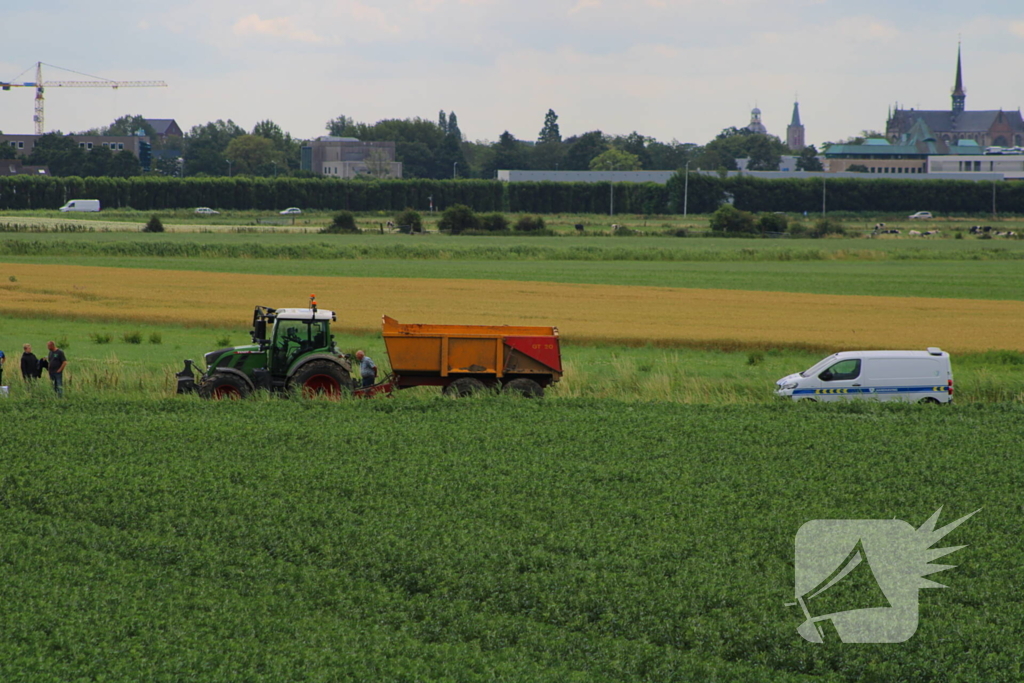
<point x="914" y="376"/>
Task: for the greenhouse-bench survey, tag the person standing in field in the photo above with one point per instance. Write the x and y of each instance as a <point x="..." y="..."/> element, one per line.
<point x="2" y="359"/>
<point x="56" y="362"/>
<point x="367" y="368"/>
<point x="29" y="363"/>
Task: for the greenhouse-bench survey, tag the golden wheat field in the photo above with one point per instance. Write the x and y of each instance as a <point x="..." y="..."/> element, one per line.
<point x="593" y="313"/>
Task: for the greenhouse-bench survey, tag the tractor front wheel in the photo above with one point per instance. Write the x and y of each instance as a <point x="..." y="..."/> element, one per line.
<point x="321" y="378"/>
<point x="223" y="385"/>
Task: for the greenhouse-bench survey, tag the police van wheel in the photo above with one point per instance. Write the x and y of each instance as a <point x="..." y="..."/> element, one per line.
<point x="928" y="400"/>
<point x="806" y="400"/>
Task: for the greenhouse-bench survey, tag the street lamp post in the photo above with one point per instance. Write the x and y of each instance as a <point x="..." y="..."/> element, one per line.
<point x="455" y="170"/>
<point x="229" y="167"/>
<point x="611" y="190"/>
<point x="686" y="190"/>
<point x="181" y="167"/>
<point x="275" y="168"/>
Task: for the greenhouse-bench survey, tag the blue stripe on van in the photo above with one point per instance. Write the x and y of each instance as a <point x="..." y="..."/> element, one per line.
<point x="873" y="390"/>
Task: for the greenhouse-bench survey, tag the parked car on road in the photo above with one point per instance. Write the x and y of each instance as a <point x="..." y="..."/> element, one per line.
<point x="291" y="211"/>
<point x="920" y="214"/>
<point x="81" y="205"/>
<point x="206" y="211"/>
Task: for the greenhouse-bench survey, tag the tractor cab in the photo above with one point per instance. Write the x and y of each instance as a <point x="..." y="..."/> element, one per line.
<point x="297" y="332"/>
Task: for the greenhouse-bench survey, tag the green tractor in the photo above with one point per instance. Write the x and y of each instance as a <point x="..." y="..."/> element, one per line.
<point x="292" y="349"/>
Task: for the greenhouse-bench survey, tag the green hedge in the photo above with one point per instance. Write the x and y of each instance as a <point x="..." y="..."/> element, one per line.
<point x="706" y="192"/>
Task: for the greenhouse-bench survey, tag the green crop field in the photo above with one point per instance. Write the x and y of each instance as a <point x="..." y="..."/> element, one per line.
<point x="491" y="540"/>
<point x="638" y="524"/>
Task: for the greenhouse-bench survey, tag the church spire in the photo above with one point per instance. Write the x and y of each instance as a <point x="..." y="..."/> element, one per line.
<point x="959" y="94"/>
<point x="796" y="114"/>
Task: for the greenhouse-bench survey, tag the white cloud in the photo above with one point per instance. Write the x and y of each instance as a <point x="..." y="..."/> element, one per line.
<point x="278" y="27"/>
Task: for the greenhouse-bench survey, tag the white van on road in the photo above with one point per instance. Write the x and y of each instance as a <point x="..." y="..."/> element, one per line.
<point x="914" y="376"/>
<point x="81" y="205"/>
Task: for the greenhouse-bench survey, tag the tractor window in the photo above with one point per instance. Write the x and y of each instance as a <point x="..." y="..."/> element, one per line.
<point x="293" y="338"/>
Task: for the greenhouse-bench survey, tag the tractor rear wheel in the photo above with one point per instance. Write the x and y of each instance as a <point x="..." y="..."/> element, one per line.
<point x="223" y="385"/>
<point x="526" y="387"/>
<point x="465" y="386"/>
<point x="321" y="378"/>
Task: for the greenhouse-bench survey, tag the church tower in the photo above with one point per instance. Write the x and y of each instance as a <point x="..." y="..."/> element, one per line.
<point x="959" y="94"/>
<point x="755" y="125"/>
<point x="795" y="131"/>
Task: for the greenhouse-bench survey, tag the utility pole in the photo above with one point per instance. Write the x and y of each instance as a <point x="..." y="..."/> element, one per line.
<point x="229" y="167"/>
<point x="823" y="196"/>
<point x="686" y="189"/>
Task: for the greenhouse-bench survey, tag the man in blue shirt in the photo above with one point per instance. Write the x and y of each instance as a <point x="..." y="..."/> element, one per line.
<point x="367" y="368"/>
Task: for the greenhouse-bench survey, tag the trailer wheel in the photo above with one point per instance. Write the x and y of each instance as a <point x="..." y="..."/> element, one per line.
<point x="222" y="385"/>
<point x="321" y="378"/>
<point x="526" y="387"/>
<point x="466" y="386"/>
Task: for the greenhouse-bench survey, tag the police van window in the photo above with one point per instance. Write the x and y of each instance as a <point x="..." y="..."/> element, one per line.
<point x="844" y="369"/>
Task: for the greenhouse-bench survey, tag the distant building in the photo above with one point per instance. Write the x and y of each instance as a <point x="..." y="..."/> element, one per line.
<point x="795" y="131"/>
<point x="909" y="153"/>
<point x="350" y="157"/>
<point x="165" y="128"/>
<point x="996" y="128"/>
<point x="24" y="144"/>
<point x="16" y="167"/>
<point x="755" y="125"/>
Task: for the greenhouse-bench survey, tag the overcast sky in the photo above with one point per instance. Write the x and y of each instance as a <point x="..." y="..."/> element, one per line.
<point x="671" y="69"/>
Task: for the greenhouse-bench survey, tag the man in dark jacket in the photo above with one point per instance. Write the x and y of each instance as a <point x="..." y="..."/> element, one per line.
<point x="57" y="362"/>
<point x="29" y="363"/>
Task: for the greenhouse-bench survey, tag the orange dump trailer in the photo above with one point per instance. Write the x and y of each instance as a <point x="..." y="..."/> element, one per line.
<point x="467" y="358"/>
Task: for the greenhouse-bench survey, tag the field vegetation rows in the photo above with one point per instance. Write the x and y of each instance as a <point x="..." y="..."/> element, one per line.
<point x="638" y="525"/>
<point x="493" y="539"/>
<point x="584" y="313"/>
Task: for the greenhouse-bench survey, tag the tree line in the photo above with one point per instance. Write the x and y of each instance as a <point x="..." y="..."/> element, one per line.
<point x="694" y="192"/>
<point x="427" y="149"/>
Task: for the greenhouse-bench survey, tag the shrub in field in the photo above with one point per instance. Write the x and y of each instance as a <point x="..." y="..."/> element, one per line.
<point x="755" y="358"/>
<point x="458" y="218"/>
<point x="99" y="338"/>
<point x="493" y="222"/>
<point x="797" y="230"/>
<point x="530" y="224"/>
<point x="63" y="342"/>
<point x="154" y="225"/>
<point x="222" y="342"/>
<point x="772" y="222"/>
<point x="827" y="226"/>
<point x="343" y="222"/>
<point x="730" y="219"/>
<point x="409" y="221"/>
<point x="155" y="338"/>
<point x="132" y="337"/>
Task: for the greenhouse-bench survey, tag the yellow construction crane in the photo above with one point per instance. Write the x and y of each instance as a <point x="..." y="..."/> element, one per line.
<point x="40" y="85"/>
